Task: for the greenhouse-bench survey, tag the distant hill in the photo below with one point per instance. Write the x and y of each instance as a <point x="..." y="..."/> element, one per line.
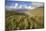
<point x="37" y="11"/>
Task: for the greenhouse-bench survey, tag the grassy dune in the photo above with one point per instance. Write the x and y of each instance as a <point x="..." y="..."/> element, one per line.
<point x="22" y="21"/>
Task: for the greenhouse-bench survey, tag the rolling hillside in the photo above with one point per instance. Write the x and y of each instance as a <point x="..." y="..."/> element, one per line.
<point x="32" y="19"/>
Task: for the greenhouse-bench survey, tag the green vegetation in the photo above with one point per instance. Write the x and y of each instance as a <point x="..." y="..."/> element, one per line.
<point x="21" y="21"/>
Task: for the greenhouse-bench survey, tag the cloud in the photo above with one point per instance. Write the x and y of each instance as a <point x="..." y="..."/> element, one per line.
<point x="21" y="4"/>
<point x="37" y="4"/>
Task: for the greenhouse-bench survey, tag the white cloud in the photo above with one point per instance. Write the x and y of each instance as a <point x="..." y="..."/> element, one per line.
<point x="37" y="4"/>
<point x="34" y="5"/>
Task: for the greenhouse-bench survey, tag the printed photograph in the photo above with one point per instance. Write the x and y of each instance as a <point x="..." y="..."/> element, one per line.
<point x="23" y="15"/>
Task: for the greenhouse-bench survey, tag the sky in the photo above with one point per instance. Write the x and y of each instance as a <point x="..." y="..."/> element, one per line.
<point x="14" y="3"/>
<point x="9" y="3"/>
<point x="17" y="0"/>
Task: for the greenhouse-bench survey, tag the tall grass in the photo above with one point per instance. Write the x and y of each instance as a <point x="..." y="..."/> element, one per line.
<point x="20" y="21"/>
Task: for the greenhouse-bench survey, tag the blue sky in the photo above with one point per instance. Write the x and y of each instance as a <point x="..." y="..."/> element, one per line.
<point x="18" y="0"/>
<point x="12" y="3"/>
